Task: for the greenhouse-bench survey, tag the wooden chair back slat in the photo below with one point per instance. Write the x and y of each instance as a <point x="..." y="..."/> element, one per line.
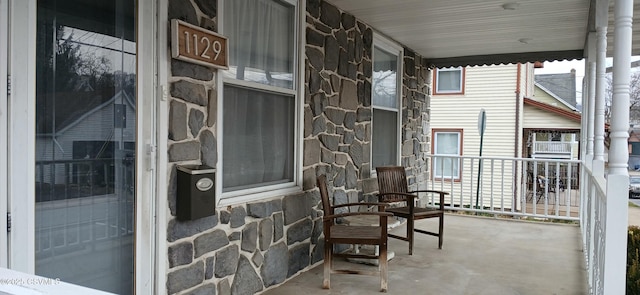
<point x="392" y="179"/>
<point x="324" y="195"/>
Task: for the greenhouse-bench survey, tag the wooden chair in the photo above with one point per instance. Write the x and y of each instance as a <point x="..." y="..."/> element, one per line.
<point x="393" y="188"/>
<point x="335" y="233"/>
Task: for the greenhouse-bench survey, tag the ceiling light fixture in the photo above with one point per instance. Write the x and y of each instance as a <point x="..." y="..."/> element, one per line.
<point x="510" y="6"/>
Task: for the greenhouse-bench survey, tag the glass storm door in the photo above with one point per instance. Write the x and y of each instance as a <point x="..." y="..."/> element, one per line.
<point x="85" y="142"/>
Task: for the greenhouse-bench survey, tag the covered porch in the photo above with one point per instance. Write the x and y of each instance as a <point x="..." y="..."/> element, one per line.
<point x="471" y="33"/>
<point x="480" y="255"/>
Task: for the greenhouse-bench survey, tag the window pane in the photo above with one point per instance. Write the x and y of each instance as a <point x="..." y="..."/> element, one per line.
<point x="258" y="147"/>
<point x="384" y="81"/>
<point x="635" y="148"/>
<point x="449" y="80"/>
<point x="261" y="41"/>
<point x="385" y="147"/>
<point x="542" y="137"/>
<point x="447" y="143"/>
<point x="85" y="143"/>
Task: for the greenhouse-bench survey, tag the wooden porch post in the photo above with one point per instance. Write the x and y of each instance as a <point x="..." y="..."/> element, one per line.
<point x="618" y="176"/>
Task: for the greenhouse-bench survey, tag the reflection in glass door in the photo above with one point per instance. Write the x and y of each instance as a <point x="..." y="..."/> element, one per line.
<point x="85" y="142"/>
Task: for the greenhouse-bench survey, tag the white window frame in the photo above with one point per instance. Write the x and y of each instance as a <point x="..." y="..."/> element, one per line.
<point x="436" y="175"/>
<point x="264" y="192"/>
<point x="393" y="48"/>
<point x="451" y="69"/>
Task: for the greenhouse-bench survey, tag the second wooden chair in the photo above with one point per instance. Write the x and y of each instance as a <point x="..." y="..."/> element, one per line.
<point x="393" y="188"/>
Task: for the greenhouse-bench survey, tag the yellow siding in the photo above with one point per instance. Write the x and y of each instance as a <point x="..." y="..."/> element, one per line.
<point x="542" y="96"/>
<point x="494" y="89"/>
<point x="489" y="87"/>
<point x="537" y="118"/>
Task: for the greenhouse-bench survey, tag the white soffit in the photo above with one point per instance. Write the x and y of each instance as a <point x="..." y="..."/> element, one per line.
<point x="438" y="29"/>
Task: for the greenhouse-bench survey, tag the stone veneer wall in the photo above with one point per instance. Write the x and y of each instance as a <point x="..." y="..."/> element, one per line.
<point x="337" y="100"/>
<point x="248" y="248"/>
<point x="416" y="137"/>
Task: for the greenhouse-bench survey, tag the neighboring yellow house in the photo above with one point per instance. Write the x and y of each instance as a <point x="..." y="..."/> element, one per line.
<point x="551" y="126"/>
<point x="523" y="120"/>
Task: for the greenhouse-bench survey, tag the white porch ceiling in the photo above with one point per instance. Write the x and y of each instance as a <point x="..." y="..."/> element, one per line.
<point x="461" y="32"/>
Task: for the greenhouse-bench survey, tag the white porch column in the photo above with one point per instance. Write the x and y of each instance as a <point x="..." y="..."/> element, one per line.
<point x="589" y="96"/>
<point x="598" y="106"/>
<point x="618" y="152"/>
<point x="586" y="139"/>
<point x="618" y="176"/>
<point x="590" y="112"/>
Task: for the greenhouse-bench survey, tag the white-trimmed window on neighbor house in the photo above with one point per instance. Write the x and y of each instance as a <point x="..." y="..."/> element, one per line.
<point x="385" y="96"/>
<point x="259" y="97"/>
<point x="449" y="80"/>
<point x="447" y="149"/>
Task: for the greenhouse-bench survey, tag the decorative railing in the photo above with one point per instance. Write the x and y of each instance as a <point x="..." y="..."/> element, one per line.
<point x="593" y="222"/>
<point x="80" y="202"/>
<point x="552" y="147"/>
<point x="510" y="187"/>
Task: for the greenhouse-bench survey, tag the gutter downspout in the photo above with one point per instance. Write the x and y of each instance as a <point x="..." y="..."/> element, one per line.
<point x="517" y="132"/>
<point x="517" y="125"/>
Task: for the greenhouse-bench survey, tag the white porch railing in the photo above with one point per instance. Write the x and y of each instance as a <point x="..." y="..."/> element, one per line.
<point x="593" y="221"/>
<point x="81" y="202"/>
<point x="515" y="187"/>
<point x="552" y="147"/>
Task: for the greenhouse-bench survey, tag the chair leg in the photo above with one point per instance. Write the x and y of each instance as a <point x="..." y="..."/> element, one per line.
<point x="382" y="264"/>
<point x="410" y="228"/>
<point x="441" y="232"/>
<point x="328" y="249"/>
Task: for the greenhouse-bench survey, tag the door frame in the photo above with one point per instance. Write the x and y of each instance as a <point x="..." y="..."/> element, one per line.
<point x="20" y="136"/>
<point x="146" y="145"/>
<point x="4" y="48"/>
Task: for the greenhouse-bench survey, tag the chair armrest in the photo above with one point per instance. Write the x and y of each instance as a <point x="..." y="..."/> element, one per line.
<point x="332" y="216"/>
<point x="360" y="204"/>
<point x="429" y="191"/>
<point x="441" y="193"/>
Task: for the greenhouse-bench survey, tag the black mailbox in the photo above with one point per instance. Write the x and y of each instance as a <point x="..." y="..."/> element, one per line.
<point x="196" y="192"/>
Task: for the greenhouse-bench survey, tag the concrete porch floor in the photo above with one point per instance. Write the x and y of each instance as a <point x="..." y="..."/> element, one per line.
<point x="479" y="256"/>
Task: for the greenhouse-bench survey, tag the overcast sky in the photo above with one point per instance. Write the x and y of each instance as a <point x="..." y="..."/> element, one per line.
<point x="560" y="67"/>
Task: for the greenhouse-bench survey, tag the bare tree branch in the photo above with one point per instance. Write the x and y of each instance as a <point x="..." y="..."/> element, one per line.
<point x="634" y="98"/>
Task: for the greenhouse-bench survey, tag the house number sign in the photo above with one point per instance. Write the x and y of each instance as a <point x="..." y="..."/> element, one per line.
<point x="197" y="45"/>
